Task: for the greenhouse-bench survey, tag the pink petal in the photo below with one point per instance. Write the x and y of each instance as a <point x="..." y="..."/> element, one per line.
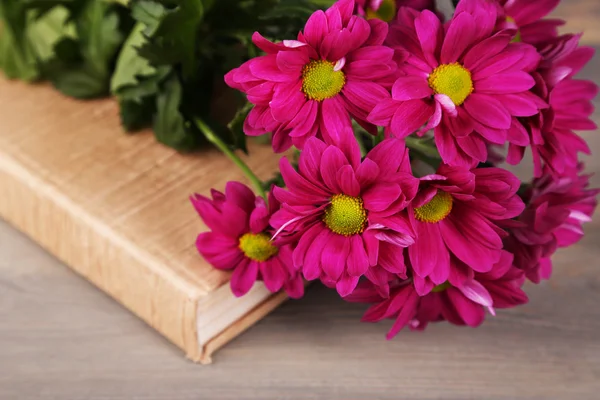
<point x="387" y="155"/>
<point x="294" y="287"/>
<point x="259" y="219"/>
<point x="347" y="181"/>
<point x="221" y="251"/>
<point x="410" y="87"/>
<point x="459" y="36"/>
<point x="334" y="119"/>
<point x="367" y="172"/>
<point x="482" y="50"/>
<point x="243" y="277"/>
<point x="346" y="285"/>
<point x="429" y="30"/>
<point x="364" y="95"/>
<point x="525" y="13"/>
<point x="315" y="29"/>
<point x="305" y="242"/>
<point x="488" y="111"/>
<point x="292" y="61"/>
<point x="477" y="293"/>
<point x="287" y="100"/>
<point x="334" y="255"/>
<point x="507" y="82"/>
<point x="241" y="195"/>
<point x="265" y="45"/>
<point x="471" y="241"/>
<point x="410" y="116"/>
<point x="380" y="196"/>
<point x="273" y="274"/>
<point x="333" y="160"/>
<point x="447" y="105"/>
<point x="472" y="314"/>
<point x="310" y="159"/>
<point x="297" y="183"/>
<point x="382" y="113"/>
<point x="303" y="123"/>
<point x="428" y="252"/>
<point x="358" y="263"/>
<point x="391" y="258"/>
<point x="265" y="67"/>
<point x="406" y="314"/>
<point x="311" y="269"/>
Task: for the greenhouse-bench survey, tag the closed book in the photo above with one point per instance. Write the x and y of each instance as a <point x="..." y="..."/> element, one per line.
<point x="115" y="208"/>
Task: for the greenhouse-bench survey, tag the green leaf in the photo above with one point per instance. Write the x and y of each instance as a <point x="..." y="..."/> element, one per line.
<point x="170" y="126"/>
<point x="146" y="86"/>
<point x="17" y="61"/>
<point x="130" y="65"/>
<point x="81" y="83"/>
<point x="137" y="115"/>
<point x="17" y="57"/>
<point x="175" y="37"/>
<point x="98" y="31"/>
<point x="148" y="12"/>
<point x="81" y="64"/>
<point x="46" y="31"/>
<point x="236" y="126"/>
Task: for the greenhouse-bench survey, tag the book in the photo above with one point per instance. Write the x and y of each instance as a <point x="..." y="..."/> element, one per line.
<point x="115" y="208"/>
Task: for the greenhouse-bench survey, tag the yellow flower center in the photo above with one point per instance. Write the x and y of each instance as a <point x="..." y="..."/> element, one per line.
<point x="386" y="11"/>
<point x="517" y="37"/>
<point x="320" y="81"/>
<point x="442" y="287"/>
<point x="345" y="215"/>
<point x="257" y="246"/>
<point x="436" y="210"/>
<point x="453" y="80"/>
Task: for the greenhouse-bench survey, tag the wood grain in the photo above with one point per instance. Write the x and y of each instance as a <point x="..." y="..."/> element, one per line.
<point x="61" y="339"/>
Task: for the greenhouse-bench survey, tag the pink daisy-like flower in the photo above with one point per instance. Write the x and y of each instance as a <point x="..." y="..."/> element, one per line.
<point x="556" y="210"/>
<point x="525" y="17"/>
<point x="346" y="212"/>
<point x="463" y="79"/>
<point x="550" y="134"/>
<point x="308" y="87"/>
<point x="240" y="240"/>
<point x="460" y="305"/>
<point x="386" y="10"/>
<point x="456" y="216"/>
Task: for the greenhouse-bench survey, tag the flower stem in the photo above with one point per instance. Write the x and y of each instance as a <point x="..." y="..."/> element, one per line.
<point x="214" y="139"/>
<point x="422" y="146"/>
<point x="424" y="150"/>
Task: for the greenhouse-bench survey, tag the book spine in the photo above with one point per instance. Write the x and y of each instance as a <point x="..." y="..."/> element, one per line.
<point x="88" y="246"/>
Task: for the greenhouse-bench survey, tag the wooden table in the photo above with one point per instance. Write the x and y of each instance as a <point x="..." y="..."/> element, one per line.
<point x="62" y="339"/>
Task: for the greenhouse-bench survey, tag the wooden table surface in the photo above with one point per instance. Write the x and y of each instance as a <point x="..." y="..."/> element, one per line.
<point x="60" y="338"/>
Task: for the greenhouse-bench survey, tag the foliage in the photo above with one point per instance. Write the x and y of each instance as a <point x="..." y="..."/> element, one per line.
<point x="164" y="60"/>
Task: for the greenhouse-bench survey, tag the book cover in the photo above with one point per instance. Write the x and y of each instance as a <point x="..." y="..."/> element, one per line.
<point x="115" y="208"/>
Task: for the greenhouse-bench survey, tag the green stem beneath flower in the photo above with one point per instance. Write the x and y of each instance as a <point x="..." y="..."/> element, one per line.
<point x="422" y="146"/>
<point x="425" y="150"/>
<point x="214" y="139"/>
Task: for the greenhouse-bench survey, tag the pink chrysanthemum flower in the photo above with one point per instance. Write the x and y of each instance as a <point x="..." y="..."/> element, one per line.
<point x="462" y="79"/>
<point x="556" y="210"/>
<point x="464" y="304"/>
<point x="346" y="213"/>
<point x="525" y="17"/>
<point x="386" y="10"/>
<point x="308" y="87"/>
<point x="455" y="216"/>
<point x="240" y="240"/>
<point x="550" y="134"/>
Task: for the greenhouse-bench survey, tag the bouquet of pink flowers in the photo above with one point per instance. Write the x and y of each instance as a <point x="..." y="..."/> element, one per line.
<point x="396" y="195"/>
